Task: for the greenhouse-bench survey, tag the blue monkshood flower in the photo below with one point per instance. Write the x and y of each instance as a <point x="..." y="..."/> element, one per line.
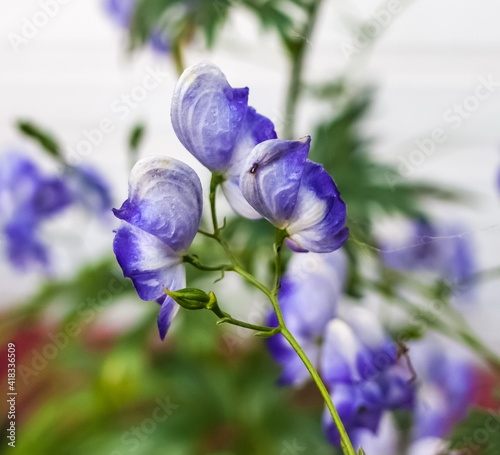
<point x="121" y="12"/>
<point x="24" y="188"/>
<point x="27" y="199"/>
<point x="438" y="249"/>
<point x="360" y="364"/>
<point x="362" y="404"/>
<point x="447" y="383"/>
<point x="216" y="125"/>
<point x="295" y="194"/>
<point x="318" y="280"/>
<point x="160" y="219"/>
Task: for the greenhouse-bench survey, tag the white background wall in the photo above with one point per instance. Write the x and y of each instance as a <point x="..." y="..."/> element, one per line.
<point x="70" y="75"/>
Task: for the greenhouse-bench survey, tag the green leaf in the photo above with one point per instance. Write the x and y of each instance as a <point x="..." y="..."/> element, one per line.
<point x="43" y="138"/>
<point x="136" y="136"/>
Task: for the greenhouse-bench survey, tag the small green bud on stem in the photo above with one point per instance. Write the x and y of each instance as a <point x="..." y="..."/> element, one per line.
<point x="196" y="299"/>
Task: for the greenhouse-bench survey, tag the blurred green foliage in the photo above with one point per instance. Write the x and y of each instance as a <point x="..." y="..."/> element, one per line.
<point x="478" y="433"/>
<point x="181" y="20"/>
<point x="43" y="138"/>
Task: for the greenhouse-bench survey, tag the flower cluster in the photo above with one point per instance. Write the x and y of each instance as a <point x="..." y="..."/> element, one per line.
<point x="28" y="198"/>
<point x="122" y="11"/>
<point x="260" y="175"/>
<point x="356" y="359"/>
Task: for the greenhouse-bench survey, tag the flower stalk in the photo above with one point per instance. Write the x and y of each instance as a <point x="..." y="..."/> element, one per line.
<point x="272" y="295"/>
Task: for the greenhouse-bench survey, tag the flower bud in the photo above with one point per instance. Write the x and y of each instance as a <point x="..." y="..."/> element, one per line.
<point x="193" y="299"/>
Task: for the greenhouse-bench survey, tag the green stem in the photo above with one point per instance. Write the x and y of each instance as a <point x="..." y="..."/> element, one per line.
<point x="297" y="61"/>
<point x="215" y="181"/>
<point x="278" y="244"/>
<point x="195" y="262"/>
<point x="226" y="318"/>
<point x="345" y="442"/>
<point x="178" y="57"/>
<point x="252" y="280"/>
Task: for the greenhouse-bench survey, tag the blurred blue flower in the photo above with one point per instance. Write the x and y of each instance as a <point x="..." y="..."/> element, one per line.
<point x="159" y="41"/>
<point x="295" y="195"/>
<point x="360" y="364"/>
<point x="89" y="188"/>
<point x="160" y="218"/>
<point x="446" y="388"/>
<point x="440" y="249"/>
<point x="121" y="11"/>
<point x="24" y="248"/>
<point x="216" y="125"/>
<point x="27" y="199"/>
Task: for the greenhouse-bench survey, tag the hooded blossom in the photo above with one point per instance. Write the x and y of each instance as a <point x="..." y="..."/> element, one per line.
<point x="160" y="219"/>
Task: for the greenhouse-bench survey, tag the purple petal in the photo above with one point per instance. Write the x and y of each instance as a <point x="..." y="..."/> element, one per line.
<point x="207" y="114"/>
<point x="431" y="418"/>
<point x="379" y="351"/>
<point x="384" y="442"/>
<point x="317" y="223"/>
<point x="165" y="200"/>
<point x="120" y="10"/>
<point x="19" y="180"/>
<point x="271" y="178"/>
<point x="24" y="249"/>
<point x="344" y="399"/>
<point x="52" y="195"/>
<point x="255" y="129"/>
<point x="359" y="406"/>
<point x="159" y="41"/>
<point x="397" y="388"/>
<point x="232" y="191"/>
<point x="318" y="280"/>
<point x="369" y="406"/>
<point x="167" y="312"/>
<point x="340" y="353"/>
<point x="150" y="263"/>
